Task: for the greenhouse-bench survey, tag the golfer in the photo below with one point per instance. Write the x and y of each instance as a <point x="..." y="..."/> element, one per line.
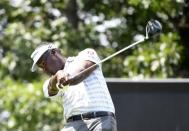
<point x="86" y="100"/>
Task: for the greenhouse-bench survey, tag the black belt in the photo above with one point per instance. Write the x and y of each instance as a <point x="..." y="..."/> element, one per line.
<point x="89" y="115"/>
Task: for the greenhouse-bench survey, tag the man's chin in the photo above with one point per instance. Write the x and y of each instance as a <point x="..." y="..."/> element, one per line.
<point x="54" y="72"/>
<point x="50" y="73"/>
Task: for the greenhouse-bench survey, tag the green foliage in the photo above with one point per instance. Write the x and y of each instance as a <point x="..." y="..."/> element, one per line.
<point x="24" y="108"/>
<point x="154" y="60"/>
<point x="31" y="22"/>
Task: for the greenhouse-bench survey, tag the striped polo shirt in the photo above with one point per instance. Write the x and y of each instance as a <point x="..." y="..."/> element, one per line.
<point x="89" y="95"/>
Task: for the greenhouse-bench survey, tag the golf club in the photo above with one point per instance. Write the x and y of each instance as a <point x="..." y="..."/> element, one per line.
<point x="153" y="28"/>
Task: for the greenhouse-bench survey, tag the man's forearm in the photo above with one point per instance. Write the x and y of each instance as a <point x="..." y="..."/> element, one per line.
<point x="75" y="76"/>
<point x="52" y="89"/>
<point x="80" y="76"/>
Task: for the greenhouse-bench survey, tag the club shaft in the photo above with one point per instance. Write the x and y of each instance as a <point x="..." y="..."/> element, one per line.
<point x="109" y="57"/>
<point x="120" y="51"/>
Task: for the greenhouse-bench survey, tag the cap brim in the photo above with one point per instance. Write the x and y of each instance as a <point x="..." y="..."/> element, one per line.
<point x="34" y="67"/>
<point x="36" y="55"/>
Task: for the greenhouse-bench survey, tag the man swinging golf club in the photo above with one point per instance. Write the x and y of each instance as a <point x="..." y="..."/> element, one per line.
<point x="87" y="102"/>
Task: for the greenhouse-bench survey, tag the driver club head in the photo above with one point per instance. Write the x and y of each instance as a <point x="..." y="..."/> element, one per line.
<point x="153" y="28"/>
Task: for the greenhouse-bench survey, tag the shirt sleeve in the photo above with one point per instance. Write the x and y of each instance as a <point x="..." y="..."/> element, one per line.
<point x="45" y="88"/>
<point x="89" y="54"/>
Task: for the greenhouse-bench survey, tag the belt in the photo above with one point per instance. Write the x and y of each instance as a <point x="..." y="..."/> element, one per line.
<point x="89" y="115"/>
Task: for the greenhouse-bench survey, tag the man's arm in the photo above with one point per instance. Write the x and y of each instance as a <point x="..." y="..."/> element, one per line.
<point x="87" y="64"/>
<point x="52" y="89"/>
<point x="80" y="73"/>
<point x="63" y="78"/>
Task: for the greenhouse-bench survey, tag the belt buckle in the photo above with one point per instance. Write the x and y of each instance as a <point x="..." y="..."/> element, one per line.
<point x="70" y="119"/>
<point x="82" y="117"/>
<point x="94" y="114"/>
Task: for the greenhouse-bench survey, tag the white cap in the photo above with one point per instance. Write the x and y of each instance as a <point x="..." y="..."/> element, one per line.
<point x="36" y="55"/>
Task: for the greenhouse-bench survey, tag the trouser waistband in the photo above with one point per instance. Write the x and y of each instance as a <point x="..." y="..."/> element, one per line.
<point x="90" y="115"/>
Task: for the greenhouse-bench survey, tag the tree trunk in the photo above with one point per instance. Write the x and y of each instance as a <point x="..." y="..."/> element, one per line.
<point x="71" y="13"/>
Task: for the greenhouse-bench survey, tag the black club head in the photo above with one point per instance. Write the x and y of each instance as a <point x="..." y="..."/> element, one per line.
<point x="153" y="28"/>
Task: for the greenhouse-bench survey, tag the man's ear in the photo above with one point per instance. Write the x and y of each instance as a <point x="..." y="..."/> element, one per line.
<point x="43" y="63"/>
<point x="53" y="51"/>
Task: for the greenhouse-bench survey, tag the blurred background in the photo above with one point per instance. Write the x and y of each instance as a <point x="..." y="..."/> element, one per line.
<point x="73" y="25"/>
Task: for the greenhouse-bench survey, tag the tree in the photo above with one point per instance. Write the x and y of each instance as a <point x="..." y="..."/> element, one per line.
<point x="26" y="24"/>
<point x="23" y="107"/>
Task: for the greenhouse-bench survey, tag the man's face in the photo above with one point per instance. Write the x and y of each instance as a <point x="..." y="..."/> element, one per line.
<point x="51" y="61"/>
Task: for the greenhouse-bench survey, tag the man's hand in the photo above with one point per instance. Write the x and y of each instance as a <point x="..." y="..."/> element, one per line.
<point x="62" y="78"/>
